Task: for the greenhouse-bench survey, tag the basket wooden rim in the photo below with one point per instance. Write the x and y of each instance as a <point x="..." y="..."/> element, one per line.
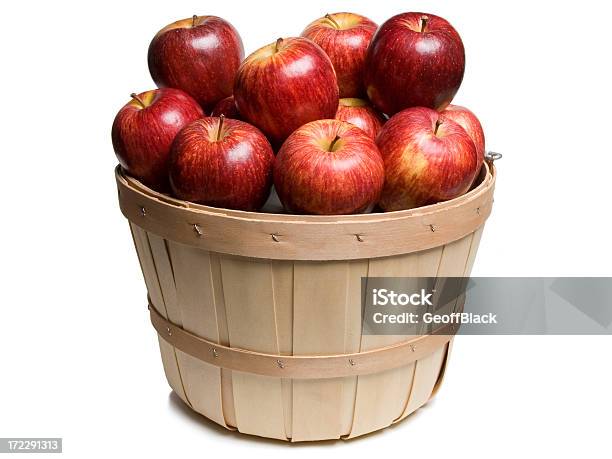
<point x="306" y="237"/>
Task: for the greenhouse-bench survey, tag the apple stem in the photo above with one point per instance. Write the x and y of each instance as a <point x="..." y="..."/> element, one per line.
<point x="138" y="99"/>
<point x="221" y="118"/>
<point x="193" y="20"/>
<point x="424" y="20"/>
<point x="331" y="19"/>
<point x="331" y="145"/>
<point x="278" y="43"/>
<point x="438" y="123"/>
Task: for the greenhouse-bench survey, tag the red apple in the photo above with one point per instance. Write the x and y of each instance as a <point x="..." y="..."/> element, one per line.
<point x="361" y="114"/>
<point x="428" y="158"/>
<point x="144" y="129"/>
<point x="222" y="163"/>
<point x="415" y="59"/>
<point x="328" y="167"/>
<point x="199" y="55"/>
<point x="284" y="85"/>
<point x="468" y="121"/>
<point x="227" y="108"/>
<point x="345" y="38"/>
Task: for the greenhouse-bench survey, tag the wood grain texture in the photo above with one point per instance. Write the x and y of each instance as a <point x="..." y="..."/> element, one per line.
<point x="236" y="287"/>
<point x="227" y="391"/>
<point x="149" y="272"/>
<point x="440" y="380"/>
<point x="293" y="309"/>
<point x="282" y="284"/>
<point x="195" y="295"/>
<point x="251" y="319"/>
<point x="358" y="269"/>
<point x="468" y="270"/>
<point x="319" y="327"/>
<point x="299" y="367"/>
<point x="452" y="263"/>
<point x="382" y="398"/>
<point x="289" y="237"/>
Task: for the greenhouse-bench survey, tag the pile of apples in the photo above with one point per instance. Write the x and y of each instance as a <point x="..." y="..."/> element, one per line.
<point x="347" y="118"/>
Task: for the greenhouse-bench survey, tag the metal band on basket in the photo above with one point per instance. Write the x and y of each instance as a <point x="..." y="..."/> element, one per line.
<point x="298" y="366"/>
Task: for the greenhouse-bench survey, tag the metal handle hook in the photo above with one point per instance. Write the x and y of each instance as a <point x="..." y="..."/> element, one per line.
<point x="492" y="156"/>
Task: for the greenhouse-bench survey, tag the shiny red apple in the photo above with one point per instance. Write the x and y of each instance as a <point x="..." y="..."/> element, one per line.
<point x="227" y="108"/>
<point x="428" y="158"/>
<point x="345" y="38"/>
<point x="468" y="121"/>
<point x="144" y="129"/>
<point x="284" y="85"/>
<point x="199" y="55"/>
<point x="414" y="60"/>
<point x="222" y="163"/>
<point x="328" y="167"/>
<point x="360" y="113"/>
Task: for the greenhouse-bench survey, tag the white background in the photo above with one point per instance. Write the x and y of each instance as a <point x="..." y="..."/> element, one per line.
<point x="79" y="358"/>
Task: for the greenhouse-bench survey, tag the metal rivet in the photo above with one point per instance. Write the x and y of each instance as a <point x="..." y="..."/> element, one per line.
<point x="197" y="229"/>
<point x="432" y="228"/>
<point x="280" y="364"/>
<point x="352" y="362"/>
<point x="275" y="237"/>
<point x="143" y="211"/>
<point x="215" y="353"/>
<point x="413" y="348"/>
<point x="169" y="331"/>
<point x="359" y="238"/>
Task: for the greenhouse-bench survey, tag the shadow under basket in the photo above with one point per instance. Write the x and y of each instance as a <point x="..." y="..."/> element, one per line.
<point x="259" y="315"/>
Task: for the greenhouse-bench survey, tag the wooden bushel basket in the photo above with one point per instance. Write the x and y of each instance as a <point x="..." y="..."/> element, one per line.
<point x="259" y="315"/>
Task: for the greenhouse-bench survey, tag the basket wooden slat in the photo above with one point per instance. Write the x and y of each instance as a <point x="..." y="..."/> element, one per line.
<point x="200" y="314"/>
<point x="382" y="398"/>
<point x="149" y="271"/>
<point x="428" y="371"/>
<point x="325" y="323"/>
<point x="250" y="304"/>
<point x="287" y="306"/>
